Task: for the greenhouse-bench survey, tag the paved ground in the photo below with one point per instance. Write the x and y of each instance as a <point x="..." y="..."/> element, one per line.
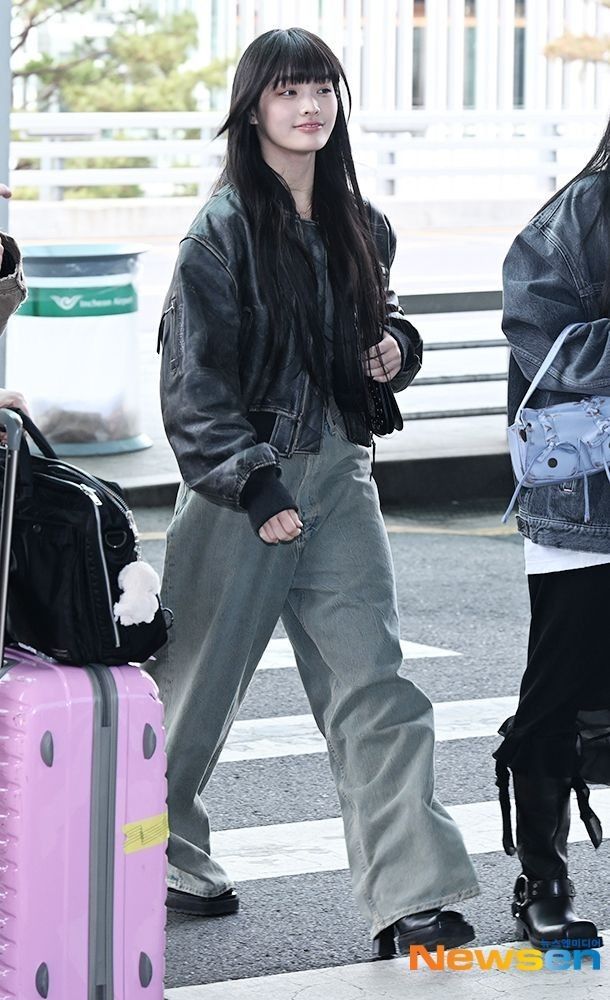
<point x="461" y="589"/>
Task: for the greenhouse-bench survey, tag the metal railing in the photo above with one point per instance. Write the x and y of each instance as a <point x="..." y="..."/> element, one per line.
<point x="451" y="303"/>
<point x="396" y="154"/>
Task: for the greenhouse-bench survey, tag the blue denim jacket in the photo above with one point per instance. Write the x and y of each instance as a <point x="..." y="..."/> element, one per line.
<point x="553" y="276"/>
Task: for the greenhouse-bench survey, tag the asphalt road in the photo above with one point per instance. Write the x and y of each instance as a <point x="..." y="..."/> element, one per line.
<point x="461" y="586"/>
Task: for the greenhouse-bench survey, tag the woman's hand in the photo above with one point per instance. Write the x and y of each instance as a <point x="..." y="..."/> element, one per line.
<point x="13" y="400"/>
<point x="282" y="527"/>
<point x="384" y="360"/>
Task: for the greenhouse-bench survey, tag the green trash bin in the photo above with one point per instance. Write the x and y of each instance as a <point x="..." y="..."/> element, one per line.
<point x="72" y="347"/>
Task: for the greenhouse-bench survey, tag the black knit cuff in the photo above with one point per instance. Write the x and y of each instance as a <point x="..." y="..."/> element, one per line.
<point x="264" y="495"/>
<point x="8" y="266"/>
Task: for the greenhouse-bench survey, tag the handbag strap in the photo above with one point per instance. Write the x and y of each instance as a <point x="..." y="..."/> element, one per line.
<point x="14" y="427"/>
<point x="546" y="364"/>
<point x="36" y="435"/>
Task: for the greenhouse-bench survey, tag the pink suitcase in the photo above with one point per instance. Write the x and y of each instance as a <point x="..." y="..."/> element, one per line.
<point x="83" y="821"/>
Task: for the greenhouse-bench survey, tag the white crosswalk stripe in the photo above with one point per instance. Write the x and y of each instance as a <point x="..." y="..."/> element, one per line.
<point x="318" y="845"/>
<point x="279" y="653"/>
<point x="396" y="981"/>
<point x="296" y="735"/>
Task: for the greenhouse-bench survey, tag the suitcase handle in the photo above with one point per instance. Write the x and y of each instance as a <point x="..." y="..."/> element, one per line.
<point x="13" y="423"/>
<point x="13" y="427"/>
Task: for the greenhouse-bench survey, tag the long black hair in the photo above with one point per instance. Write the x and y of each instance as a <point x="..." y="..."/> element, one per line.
<point x="285" y="269"/>
<point x="599" y="166"/>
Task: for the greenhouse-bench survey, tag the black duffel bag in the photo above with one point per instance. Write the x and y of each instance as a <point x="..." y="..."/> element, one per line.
<point x="73" y="534"/>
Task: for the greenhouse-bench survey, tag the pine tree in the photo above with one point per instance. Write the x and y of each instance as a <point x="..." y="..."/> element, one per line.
<point x="144" y="64"/>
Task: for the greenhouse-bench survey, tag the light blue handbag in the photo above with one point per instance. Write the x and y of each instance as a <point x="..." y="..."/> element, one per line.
<point x="561" y="442"/>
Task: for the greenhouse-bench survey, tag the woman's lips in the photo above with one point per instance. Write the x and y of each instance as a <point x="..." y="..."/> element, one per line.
<point x="310" y="127"/>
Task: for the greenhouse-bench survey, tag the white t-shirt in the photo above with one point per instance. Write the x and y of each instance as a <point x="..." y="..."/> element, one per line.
<point x="548" y="559"/>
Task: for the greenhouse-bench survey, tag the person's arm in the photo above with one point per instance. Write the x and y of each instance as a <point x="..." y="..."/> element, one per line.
<point x="204" y="414"/>
<point x="12" y="285"/>
<point x="397" y="327"/>
<point x="540" y="300"/>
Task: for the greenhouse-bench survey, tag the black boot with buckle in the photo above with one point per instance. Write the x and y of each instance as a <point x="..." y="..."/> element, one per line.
<point x="543" y="894"/>
<point x="429" y="928"/>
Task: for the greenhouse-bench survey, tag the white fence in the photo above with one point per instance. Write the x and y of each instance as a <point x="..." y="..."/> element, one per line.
<point x="408" y="155"/>
<point x="436" y="54"/>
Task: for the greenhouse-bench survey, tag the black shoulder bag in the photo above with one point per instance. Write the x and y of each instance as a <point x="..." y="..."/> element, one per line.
<point x="72" y="535"/>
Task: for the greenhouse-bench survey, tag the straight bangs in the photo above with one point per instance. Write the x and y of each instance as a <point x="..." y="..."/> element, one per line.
<point x="295" y="56"/>
<point x="306" y="63"/>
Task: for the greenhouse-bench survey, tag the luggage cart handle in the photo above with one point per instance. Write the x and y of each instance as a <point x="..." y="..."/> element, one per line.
<point x="14" y="431"/>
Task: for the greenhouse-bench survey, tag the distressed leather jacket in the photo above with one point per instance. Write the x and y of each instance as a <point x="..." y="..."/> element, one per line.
<point x="553" y="276"/>
<point x="227" y="420"/>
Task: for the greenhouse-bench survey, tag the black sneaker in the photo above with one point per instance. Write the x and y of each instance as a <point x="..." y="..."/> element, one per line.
<point x="202" y="906"/>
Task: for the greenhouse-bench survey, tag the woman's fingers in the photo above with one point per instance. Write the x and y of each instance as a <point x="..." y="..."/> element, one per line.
<point x="383" y="360"/>
<point x="282" y="527"/>
<point x="290" y="523"/>
<point x="383" y="372"/>
<point x="266" y="534"/>
<point x="10" y="398"/>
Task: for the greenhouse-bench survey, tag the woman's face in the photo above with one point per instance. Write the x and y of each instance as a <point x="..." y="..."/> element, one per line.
<point x="295" y="118"/>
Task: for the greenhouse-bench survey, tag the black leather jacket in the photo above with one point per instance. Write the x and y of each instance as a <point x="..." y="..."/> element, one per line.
<point x="224" y="417"/>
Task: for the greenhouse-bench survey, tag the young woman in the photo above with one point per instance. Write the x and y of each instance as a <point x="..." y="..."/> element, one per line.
<point x="277" y="324"/>
<point x="557" y="273"/>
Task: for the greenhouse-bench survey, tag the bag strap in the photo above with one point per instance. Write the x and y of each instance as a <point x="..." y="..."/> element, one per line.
<point x="546" y="364"/>
<point x="13" y="425"/>
<point x="36" y="435"/>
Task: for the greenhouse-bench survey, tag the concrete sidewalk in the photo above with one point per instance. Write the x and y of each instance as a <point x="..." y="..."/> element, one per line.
<point x="428" y="461"/>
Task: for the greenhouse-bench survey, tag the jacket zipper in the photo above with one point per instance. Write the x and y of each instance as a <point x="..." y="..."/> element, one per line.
<point x="96" y="502"/>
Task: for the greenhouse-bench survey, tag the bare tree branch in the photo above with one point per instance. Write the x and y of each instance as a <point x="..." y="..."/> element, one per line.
<point x="40" y="17"/>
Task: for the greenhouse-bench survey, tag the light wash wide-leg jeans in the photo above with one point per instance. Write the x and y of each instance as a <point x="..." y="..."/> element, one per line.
<point x="334" y="590"/>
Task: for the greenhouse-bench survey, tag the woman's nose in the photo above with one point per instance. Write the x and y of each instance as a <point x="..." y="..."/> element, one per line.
<point x="310" y="107"/>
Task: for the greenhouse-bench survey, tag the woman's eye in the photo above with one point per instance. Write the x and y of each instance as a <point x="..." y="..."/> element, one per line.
<point x="325" y="90"/>
<point x="287" y="93"/>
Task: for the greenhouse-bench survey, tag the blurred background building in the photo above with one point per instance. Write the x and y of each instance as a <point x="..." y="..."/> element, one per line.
<point x="467" y="114"/>
<point x="399" y="54"/>
<point x="460" y="107"/>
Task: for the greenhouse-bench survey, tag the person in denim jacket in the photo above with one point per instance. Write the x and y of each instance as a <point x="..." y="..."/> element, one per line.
<point x="278" y="310"/>
<point x="557" y="273"/>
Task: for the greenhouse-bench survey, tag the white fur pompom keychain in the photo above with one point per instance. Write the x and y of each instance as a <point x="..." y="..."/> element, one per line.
<point x="139" y="601"/>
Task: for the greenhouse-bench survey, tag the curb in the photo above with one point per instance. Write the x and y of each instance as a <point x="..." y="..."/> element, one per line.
<point x="427" y="480"/>
<point x="410" y="481"/>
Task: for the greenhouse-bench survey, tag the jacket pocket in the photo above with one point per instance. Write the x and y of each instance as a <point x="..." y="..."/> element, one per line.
<point x="170" y="336"/>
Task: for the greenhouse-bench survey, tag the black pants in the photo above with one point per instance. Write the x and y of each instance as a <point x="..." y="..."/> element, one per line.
<point x="568" y="668"/>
